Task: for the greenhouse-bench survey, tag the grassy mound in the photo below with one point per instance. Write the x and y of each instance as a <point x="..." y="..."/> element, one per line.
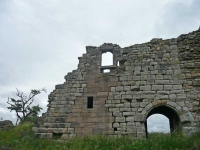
<point x="22" y="138"/>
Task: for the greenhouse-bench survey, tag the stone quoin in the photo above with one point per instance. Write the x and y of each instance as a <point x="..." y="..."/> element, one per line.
<point x="160" y="76"/>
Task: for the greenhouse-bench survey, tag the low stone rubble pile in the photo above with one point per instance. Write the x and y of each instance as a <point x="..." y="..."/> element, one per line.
<point x="6" y="124"/>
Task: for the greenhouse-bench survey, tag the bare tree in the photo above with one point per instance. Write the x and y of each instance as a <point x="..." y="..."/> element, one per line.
<point x="22" y="105"/>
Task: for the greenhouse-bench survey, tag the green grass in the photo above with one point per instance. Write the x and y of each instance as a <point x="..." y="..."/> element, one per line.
<point x="22" y="138"/>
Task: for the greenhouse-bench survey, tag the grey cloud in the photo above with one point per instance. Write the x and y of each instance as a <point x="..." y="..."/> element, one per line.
<point x="3" y="105"/>
<point x="5" y="114"/>
<point x="179" y="17"/>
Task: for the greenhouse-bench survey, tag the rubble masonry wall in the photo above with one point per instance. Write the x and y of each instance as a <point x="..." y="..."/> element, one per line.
<point x="149" y="75"/>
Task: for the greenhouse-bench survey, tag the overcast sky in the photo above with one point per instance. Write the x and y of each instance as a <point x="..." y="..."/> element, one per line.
<point x="41" y="40"/>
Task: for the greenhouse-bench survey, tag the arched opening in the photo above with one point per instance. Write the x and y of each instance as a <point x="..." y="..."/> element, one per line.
<point x="168" y="112"/>
<point x="107" y="59"/>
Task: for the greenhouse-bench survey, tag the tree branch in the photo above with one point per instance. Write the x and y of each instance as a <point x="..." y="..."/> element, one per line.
<point x="22" y="105"/>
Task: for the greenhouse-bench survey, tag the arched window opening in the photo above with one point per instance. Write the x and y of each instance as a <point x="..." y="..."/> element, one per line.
<point x="107" y="59"/>
<point x="158" y="123"/>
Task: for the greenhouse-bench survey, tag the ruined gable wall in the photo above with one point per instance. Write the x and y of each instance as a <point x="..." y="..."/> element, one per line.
<point x="157" y="73"/>
<point x="189" y="56"/>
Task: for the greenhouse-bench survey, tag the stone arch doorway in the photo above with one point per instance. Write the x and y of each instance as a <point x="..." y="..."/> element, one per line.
<point x="171" y="114"/>
<point x="179" y="117"/>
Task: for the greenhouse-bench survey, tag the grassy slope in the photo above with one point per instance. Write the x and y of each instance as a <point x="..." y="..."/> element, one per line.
<point x="22" y="138"/>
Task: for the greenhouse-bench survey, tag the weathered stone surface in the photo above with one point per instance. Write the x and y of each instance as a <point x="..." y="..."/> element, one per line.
<point x="115" y="125"/>
<point x="168" y="87"/>
<point x="6" y="124"/>
<point x="139" y="117"/>
<point x="130" y="119"/>
<point x="157" y="87"/>
<point x="187" y="117"/>
<point x="120" y="119"/>
<point x="160" y="76"/>
<point x="145" y="88"/>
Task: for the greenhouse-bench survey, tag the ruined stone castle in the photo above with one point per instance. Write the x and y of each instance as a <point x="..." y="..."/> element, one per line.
<point x="160" y="76"/>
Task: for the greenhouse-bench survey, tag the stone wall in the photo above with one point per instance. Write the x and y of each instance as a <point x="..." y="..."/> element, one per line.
<point x="6" y="124"/>
<point x="160" y="76"/>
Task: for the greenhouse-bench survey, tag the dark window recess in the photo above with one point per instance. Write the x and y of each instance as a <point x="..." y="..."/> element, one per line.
<point x="139" y="100"/>
<point x="57" y="135"/>
<point x="90" y="102"/>
<point x="121" y="63"/>
<point x="128" y="100"/>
